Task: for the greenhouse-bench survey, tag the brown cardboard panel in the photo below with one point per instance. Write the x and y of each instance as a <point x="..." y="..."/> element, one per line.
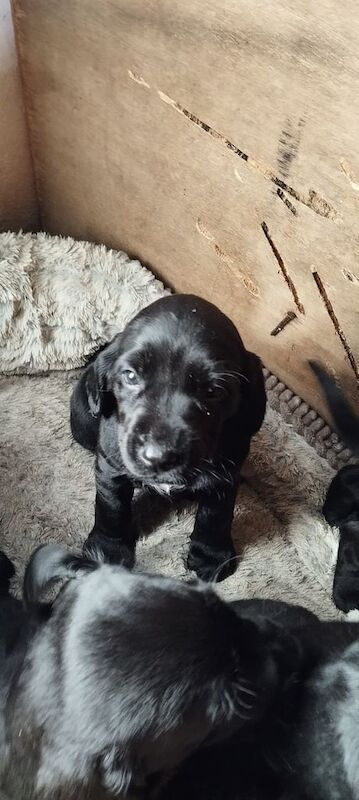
<point x="18" y="205"/>
<point x="216" y="141"/>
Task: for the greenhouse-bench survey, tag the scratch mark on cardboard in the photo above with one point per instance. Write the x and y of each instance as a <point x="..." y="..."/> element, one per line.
<point x="283" y="269"/>
<point x="335" y="322"/>
<point x="238" y="176"/>
<point x="348" y="173"/>
<point x="288" y="145"/>
<point x="350" y="276"/>
<point x="243" y="277"/>
<point x="204" y="231"/>
<point x="312" y="200"/>
<point x="289" y="317"/>
<point x="203" y="125"/>
<point x="138" y="79"/>
<point x="222" y="255"/>
<point x="287" y="202"/>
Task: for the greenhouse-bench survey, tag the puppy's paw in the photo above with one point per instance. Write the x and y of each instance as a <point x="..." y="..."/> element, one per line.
<point x="346" y="599"/>
<point x="114" y="551"/>
<point x="211" y="565"/>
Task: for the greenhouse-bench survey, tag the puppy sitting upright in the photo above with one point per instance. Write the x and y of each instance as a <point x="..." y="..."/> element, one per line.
<point x="171" y="403"/>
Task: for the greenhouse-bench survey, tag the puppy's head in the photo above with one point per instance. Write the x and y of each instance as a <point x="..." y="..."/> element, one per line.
<point x="178" y="373"/>
<point x="152" y="667"/>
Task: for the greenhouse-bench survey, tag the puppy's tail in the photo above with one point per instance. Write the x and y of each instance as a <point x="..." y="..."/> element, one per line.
<point x="51" y="563"/>
<point x="345" y="419"/>
<point x="7" y="571"/>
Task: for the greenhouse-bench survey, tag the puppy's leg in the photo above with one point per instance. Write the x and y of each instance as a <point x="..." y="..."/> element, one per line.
<point x="346" y="577"/>
<point x="212" y="555"/>
<point x="112" y="533"/>
<point x="12" y="616"/>
<point x="341" y="508"/>
<point x="7" y="571"/>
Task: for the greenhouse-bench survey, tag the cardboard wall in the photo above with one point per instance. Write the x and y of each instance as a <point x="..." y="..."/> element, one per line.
<point x="217" y="140"/>
<point x="18" y="205"/>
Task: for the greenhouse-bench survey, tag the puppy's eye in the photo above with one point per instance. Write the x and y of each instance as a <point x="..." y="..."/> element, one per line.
<point x="129" y="377"/>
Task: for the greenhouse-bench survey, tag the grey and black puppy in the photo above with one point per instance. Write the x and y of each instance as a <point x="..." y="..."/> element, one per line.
<point x="172" y="404"/>
<point x="120" y="678"/>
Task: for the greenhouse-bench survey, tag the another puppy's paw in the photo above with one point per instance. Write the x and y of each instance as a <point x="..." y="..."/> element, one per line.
<point x="212" y="565"/>
<point x="114" y="551"/>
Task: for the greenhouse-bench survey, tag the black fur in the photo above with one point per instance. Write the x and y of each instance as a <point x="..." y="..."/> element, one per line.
<point x="306" y="746"/>
<point x="138" y="686"/>
<point x="171" y="403"/>
<point x="122" y="678"/>
<point x="341" y="507"/>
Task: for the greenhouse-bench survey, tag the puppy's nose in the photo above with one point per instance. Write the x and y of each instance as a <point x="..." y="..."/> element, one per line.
<point x="157" y="454"/>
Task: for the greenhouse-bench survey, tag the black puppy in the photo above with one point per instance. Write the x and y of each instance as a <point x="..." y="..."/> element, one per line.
<point x="119" y="679"/>
<point x="171" y="403"/>
<point x="306" y="746"/>
<point x="341" y="507"/>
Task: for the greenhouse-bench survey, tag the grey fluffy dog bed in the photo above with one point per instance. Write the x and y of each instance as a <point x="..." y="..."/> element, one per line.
<point x="59" y="300"/>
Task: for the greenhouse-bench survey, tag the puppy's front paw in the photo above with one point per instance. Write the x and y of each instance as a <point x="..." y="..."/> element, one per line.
<point x="211" y="565"/>
<point x="346" y="593"/>
<point x="114" y="551"/>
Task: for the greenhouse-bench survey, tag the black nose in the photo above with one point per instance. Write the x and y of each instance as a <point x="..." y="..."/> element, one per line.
<point x="157" y="455"/>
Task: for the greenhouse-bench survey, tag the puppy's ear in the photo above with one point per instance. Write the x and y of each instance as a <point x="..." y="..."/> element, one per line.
<point x="263" y="657"/>
<point x="49" y="564"/>
<point x="105" y="361"/>
<point x="241" y="654"/>
<point x="98" y="371"/>
<point x="255" y="391"/>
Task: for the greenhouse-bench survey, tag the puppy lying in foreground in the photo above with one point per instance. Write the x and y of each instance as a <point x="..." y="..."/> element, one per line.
<point x="341" y="507"/>
<point x="306" y="747"/>
<point x="121" y="678"/>
<point x="172" y="404"/>
<point x="136" y="686"/>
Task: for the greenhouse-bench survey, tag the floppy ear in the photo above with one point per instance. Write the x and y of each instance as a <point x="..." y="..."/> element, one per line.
<point x="263" y="657"/>
<point x="241" y="646"/>
<point x="255" y="391"/>
<point x="49" y="564"/>
<point x="97" y="373"/>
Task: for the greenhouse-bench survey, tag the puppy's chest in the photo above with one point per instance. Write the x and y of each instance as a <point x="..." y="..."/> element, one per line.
<point x="163" y="488"/>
